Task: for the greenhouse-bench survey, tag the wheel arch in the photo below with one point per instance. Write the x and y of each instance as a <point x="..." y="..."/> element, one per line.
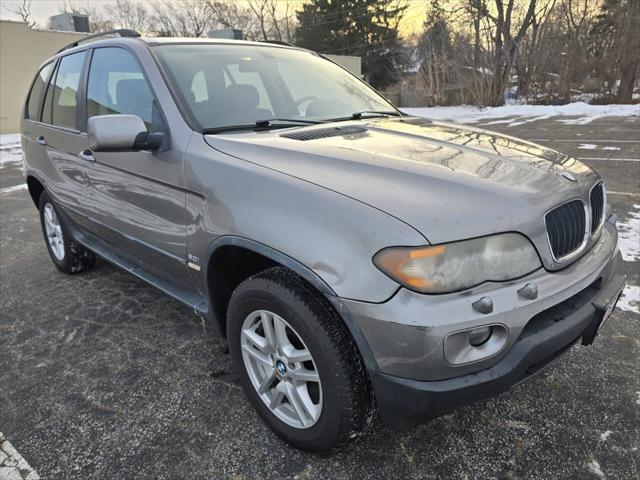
<point x="232" y="259"/>
<point x="222" y="258"/>
<point x="36" y="187"/>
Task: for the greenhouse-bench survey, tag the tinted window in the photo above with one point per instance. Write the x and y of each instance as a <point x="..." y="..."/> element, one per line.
<point x="117" y="85"/>
<point x="35" y="96"/>
<point x="65" y="91"/>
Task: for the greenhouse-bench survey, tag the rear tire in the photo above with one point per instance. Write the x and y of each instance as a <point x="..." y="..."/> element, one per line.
<point x="66" y="254"/>
<point x="332" y="413"/>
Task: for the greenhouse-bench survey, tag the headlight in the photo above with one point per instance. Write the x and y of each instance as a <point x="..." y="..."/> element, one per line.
<point x="456" y="266"/>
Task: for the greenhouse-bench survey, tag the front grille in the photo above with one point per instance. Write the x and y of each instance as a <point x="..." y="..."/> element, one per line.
<point x="597" y="205"/>
<point x="566" y="227"/>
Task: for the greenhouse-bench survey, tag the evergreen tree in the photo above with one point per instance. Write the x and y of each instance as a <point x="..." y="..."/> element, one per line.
<point x="364" y="28"/>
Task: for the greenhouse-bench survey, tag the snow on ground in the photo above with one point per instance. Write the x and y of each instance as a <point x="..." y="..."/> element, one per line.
<point x="10" y="149"/>
<point x="629" y="244"/>
<point x="604" y="436"/>
<point x="630" y="299"/>
<point x="594" y="467"/>
<point x="629" y="236"/>
<point x="593" y="146"/>
<point x="14" y="188"/>
<point x="526" y="113"/>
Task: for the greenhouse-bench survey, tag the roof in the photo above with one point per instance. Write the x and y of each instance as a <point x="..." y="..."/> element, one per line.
<point x="226" y="41"/>
<point x="125" y="35"/>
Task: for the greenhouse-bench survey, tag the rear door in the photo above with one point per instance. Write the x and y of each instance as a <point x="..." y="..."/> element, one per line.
<point x="59" y="137"/>
<point x="33" y="143"/>
<point x="136" y="198"/>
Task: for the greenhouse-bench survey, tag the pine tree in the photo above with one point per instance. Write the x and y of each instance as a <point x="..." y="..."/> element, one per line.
<point x="365" y="28"/>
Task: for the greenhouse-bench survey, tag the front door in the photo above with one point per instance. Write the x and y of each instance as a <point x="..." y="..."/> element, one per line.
<point x="137" y="203"/>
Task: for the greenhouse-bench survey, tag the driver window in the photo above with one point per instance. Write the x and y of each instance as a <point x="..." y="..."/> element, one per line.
<point x="118" y="86"/>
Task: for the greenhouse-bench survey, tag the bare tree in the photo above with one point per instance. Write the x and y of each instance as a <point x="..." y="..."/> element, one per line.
<point x="258" y="19"/>
<point x="188" y="18"/>
<point x="532" y="60"/>
<point x="23" y="10"/>
<point x="128" y="14"/>
<point x="261" y="11"/>
<point x="628" y="52"/>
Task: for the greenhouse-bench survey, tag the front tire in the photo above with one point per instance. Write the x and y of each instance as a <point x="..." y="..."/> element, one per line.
<point x="66" y="254"/>
<point x="297" y="362"/>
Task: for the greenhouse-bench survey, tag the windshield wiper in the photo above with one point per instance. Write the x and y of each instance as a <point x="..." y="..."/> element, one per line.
<point x="270" y="122"/>
<point x="368" y="114"/>
<point x="261" y="125"/>
<point x="385" y="113"/>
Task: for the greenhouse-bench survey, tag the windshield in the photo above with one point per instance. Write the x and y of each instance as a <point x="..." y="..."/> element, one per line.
<point x="228" y="85"/>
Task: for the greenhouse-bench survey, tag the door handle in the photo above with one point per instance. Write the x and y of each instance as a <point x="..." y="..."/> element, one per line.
<point x="41" y="140"/>
<point x="87" y="156"/>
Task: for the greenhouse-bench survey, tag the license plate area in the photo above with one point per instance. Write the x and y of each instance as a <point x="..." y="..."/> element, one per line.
<point x="610" y="307"/>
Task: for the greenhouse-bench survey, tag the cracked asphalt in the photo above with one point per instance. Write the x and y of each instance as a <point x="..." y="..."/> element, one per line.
<point x="102" y="376"/>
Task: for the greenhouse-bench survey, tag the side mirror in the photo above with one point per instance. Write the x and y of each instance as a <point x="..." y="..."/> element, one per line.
<point x="113" y="133"/>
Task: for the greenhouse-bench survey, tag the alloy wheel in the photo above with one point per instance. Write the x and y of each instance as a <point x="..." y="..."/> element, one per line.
<point x="53" y="230"/>
<point x="281" y="369"/>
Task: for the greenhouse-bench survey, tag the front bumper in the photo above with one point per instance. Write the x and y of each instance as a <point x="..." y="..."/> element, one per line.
<point x="411" y="378"/>
<point x="403" y="402"/>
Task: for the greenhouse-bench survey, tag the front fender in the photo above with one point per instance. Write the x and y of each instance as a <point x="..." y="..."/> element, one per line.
<point x="331" y="235"/>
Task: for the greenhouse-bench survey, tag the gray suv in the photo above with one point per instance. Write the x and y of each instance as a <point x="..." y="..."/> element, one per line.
<point x="359" y="261"/>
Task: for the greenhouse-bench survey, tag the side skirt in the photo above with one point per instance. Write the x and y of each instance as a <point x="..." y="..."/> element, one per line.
<point x="107" y="252"/>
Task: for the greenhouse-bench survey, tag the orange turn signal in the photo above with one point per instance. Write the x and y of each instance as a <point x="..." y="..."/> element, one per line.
<point x="400" y="264"/>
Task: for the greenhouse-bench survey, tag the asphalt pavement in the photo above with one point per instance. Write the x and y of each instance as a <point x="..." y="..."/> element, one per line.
<point x="102" y="376"/>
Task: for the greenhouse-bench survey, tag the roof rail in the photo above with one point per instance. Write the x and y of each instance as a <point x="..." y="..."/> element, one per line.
<point x="123" y="32"/>
<point x="278" y="42"/>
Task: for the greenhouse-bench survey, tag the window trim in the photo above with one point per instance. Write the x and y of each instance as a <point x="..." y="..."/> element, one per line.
<point x="85" y="91"/>
<point x="44" y="90"/>
<point x="52" y="80"/>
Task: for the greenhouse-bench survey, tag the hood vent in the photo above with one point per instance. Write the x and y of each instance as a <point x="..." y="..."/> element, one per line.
<point x="324" y="133"/>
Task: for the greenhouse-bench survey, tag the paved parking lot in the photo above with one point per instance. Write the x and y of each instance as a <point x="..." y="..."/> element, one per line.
<point x="101" y="376"/>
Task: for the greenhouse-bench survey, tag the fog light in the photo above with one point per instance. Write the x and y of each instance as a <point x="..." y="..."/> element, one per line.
<point x="474" y="344"/>
<point x="478" y="336"/>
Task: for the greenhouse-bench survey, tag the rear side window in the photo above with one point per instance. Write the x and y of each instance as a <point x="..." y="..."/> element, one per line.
<point x="61" y="101"/>
<point x="35" y="95"/>
<point x="117" y="85"/>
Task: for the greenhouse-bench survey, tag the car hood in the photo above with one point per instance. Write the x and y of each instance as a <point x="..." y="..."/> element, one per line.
<point x="448" y="182"/>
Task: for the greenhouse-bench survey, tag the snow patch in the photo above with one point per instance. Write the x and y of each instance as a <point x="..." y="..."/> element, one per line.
<point x="10" y="149"/>
<point x="9" y="138"/>
<point x="594" y="467"/>
<point x="605" y="435"/>
<point x="587" y="146"/>
<point x="527" y="113"/>
<point x="629" y="235"/>
<point x="15" y="188"/>
<point x="630" y="299"/>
